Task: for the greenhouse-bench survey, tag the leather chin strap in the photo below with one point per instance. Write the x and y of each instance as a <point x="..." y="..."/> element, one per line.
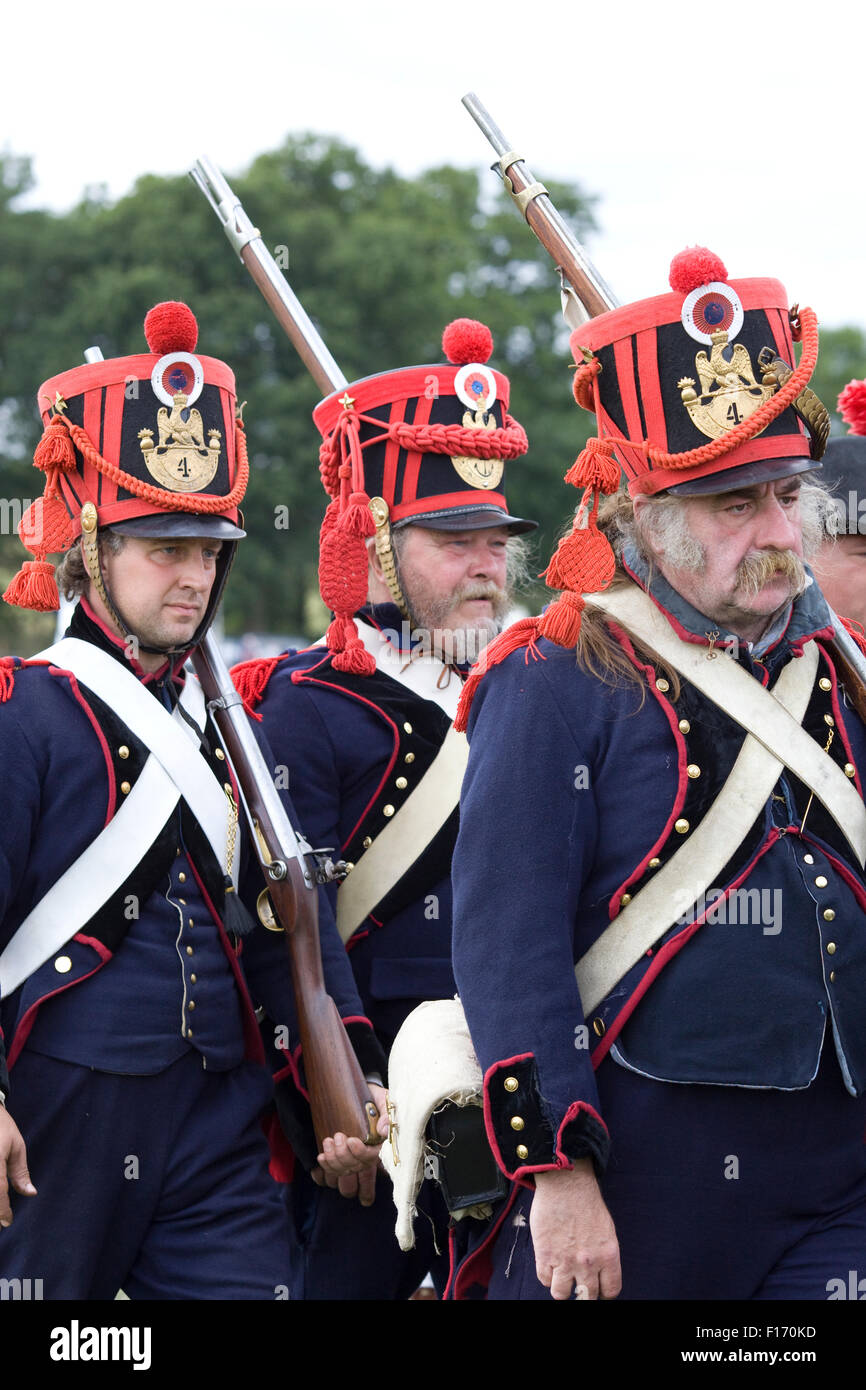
<point x="380" y="513"/>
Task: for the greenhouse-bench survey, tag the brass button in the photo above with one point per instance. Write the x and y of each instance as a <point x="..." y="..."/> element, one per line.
<point x="663" y="685"/>
<point x="189" y="1032"/>
<point x="598" y="1027"/>
<point x="123" y="751"/>
<point x="832" y="976"/>
<point x="685" y="727"/>
<point x="808" y="859"/>
<point x="190" y="922"/>
<point x="402" y="784"/>
<point x="63" y="965"/>
<point x="511" y="1083"/>
<point x="831" y="948"/>
<point x="409" y="758"/>
<point x="387" y="810"/>
<point x="189" y="950"/>
<point x="828" y="914"/>
<point x="349" y="867"/>
<point x="193" y="979"/>
<point x="407" y="728"/>
<point x="191" y="1004"/>
<point x="367" y="841"/>
<point x="654" y="862"/>
<point x="850" y="770"/>
<point x="828" y="719"/>
<point x="825" y="683"/>
<point x="227" y="787"/>
<point x="220" y="754"/>
<point x="181" y="878"/>
<point x="126" y="787"/>
<point x="522" y="1151"/>
<point x="625" y="900"/>
<point x="516" y="1122"/>
<point x="682" y="827"/>
<point x="693" y="770"/>
<point x="820" y="881"/>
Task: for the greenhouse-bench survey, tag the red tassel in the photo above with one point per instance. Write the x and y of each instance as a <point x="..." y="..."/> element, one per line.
<point x="583" y="562"/>
<point x="355" y="660"/>
<point x="357" y="519"/>
<point x="520" y="634"/>
<point x="594" y="467"/>
<point x="561" y="622"/>
<point x="55" y="449"/>
<point x="35" y="587"/>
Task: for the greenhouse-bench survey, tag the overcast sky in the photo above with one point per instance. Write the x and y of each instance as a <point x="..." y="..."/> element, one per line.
<point x="739" y="127"/>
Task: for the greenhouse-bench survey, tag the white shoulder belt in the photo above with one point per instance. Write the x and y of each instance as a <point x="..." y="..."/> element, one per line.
<point x="427" y="808"/>
<point x="174" y="769"/>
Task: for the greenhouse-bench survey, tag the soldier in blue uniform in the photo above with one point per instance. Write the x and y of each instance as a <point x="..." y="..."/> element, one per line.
<point x="665" y="991"/>
<point x="414" y="553"/>
<point x="132" y="1052"/>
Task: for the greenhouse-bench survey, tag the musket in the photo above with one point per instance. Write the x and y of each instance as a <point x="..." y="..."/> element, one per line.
<point x="339" y="1096"/>
<point x="585" y="295"/>
<point x="340" y="1100"/>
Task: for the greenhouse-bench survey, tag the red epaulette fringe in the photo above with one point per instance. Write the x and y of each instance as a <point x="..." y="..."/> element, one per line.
<point x="855" y="630"/>
<point x="524" y="633"/>
<point x="8" y="666"/>
<point x="251" y="678"/>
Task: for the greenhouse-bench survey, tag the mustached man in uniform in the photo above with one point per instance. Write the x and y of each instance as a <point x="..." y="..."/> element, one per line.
<point x="665" y="991"/>
<point x="135" y="1067"/>
<point x="840" y="565"/>
<point x="414" y="560"/>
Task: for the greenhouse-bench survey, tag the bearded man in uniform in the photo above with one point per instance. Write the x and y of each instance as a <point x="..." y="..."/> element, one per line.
<point x="415" y="553"/>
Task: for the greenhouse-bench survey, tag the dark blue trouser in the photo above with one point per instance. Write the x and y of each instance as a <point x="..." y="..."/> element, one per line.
<point x="347" y="1251"/>
<point x="721" y="1192"/>
<point x="154" y="1184"/>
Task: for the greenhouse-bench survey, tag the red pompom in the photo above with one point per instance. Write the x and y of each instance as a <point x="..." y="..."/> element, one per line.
<point x="467" y="340"/>
<point x="852" y="406"/>
<point x="695" y="266"/>
<point x="171" y="327"/>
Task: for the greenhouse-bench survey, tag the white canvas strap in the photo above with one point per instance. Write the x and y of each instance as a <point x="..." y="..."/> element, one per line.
<point x="151" y="722"/>
<point x="405" y="837"/>
<point x="88" y="883"/>
<point x="173" y="769"/>
<point x="695" y="866"/>
<point x="742" y="697"/>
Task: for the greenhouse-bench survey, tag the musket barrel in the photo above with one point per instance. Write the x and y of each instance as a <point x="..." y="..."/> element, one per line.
<point x="532" y="199"/>
<point x="246" y="239"/>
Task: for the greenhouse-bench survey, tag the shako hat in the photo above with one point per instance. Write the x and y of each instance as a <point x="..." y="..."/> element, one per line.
<point x="148" y="445"/>
<point x="845" y="462"/>
<point x="425" y="446"/>
<point x="693" y="391"/>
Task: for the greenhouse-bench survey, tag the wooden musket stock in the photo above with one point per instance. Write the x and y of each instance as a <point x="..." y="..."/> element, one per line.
<point x="340" y="1099"/>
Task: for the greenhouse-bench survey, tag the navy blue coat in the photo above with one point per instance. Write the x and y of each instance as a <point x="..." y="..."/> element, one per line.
<point x="571" y="799"/>
<point x="116" y="997"/>
<point x="354" y="746"/>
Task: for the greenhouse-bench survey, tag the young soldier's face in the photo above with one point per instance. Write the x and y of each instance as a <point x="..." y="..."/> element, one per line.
<point x="736" y="529"/>
<point x="161" y="587"/>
